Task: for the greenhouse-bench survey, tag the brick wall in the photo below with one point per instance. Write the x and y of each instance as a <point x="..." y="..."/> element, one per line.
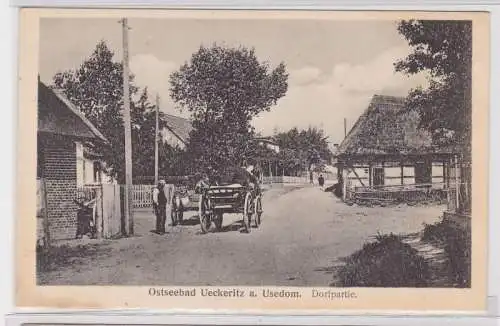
<point x="59" y="172"/>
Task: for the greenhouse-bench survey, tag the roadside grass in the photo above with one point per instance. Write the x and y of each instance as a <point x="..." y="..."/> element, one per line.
<point x="390" y="262"/>
<point x="456" y="243"/>
<point x="386" y="262"/>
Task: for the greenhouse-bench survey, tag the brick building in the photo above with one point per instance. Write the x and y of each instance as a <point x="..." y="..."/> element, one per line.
<point x="62" y="130"/>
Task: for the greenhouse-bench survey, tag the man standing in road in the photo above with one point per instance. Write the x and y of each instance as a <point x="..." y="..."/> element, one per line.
<point x="321" y="180"/>
<point x="160" y="199"/>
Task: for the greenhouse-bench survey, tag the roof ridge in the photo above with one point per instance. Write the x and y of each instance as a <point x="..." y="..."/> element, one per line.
<point x="60" y="95"/>
<point x="179" y="126"/>
<point x="369" y="130"/>
<point x="389" y="96"/>
<point x="388" y="99"/>
<point x="356" y="124"/>
<point x="176" y="116"/>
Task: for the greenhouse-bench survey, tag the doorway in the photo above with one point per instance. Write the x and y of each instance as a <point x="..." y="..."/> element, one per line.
<point x="378" y="177"/>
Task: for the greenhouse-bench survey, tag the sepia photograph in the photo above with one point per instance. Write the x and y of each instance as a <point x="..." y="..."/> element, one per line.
<point x="254" y="157"/>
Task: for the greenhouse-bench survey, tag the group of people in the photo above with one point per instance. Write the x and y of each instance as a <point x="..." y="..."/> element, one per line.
<point x="321" y="179"/>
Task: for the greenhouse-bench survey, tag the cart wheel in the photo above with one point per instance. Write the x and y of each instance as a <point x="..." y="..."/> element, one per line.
<point x="204" y="214"/>
<point x="247" y="212"/>
<point x="218" y="218"/>
<point x="258" y="211"/>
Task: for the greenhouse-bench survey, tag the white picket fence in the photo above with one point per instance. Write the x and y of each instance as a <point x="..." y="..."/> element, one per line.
<point x="142" y="195"/>
<point x="284" y="179"/>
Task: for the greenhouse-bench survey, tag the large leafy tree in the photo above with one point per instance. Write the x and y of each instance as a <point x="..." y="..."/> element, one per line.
<point x="172" y="161"/>
<point x="96" y="87"/>
<point x="223" y="89"/>
<point x="143" y="138"/>
<point x="443" y="49"/>
<point x="302" y="149"/>
<point x="292" y="161"/>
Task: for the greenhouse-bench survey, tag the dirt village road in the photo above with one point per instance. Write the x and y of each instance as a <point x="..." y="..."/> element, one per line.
<point x="303" y="232"/>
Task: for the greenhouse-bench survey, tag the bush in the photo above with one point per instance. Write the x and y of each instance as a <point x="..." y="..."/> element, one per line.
<point x="456" y="242"/>
<point x="387" y="262"/>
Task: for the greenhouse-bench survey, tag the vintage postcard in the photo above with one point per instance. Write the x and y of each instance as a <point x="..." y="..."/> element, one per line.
<point x="253" y="161"/>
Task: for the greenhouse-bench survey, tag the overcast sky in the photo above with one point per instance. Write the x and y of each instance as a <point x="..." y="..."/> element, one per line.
<point x="335" y="67"/>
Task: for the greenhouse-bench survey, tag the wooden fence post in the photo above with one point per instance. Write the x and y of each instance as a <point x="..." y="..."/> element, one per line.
<point x="345" y="180"/>
<point x="105" y="209"/>
<point x="116" y="209"/>
<point x="112" y="217"/>
<point x="457" y="185"/>
<point x="99" y="207"/>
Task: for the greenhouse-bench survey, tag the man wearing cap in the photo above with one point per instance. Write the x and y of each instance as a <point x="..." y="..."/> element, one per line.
<point x="160" y="199"/>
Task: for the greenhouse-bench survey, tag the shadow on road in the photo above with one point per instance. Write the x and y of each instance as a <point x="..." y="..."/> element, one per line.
<point x="194" y="220"/>
<point x="235" y="226"/>
<point x="159" y="233"/>
<point x="334" y="272"/>
<point x="327" y="270"/>
<point x="330" y="270"/>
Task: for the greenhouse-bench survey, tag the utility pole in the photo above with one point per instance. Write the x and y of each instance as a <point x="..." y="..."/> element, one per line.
<point x="129" y="220"/>
<point x="345" y="127"/>
<point x="156" y="137"/>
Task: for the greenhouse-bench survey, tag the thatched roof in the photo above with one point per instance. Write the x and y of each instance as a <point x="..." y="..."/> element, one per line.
<point x="57" y="115"/>
<point x="179" y="126"/>
<point x="386" y="127"/>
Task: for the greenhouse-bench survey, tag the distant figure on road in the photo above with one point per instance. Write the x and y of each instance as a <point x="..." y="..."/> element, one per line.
<point x="321" y="180"/>
<point x="160" y="199"/>
<point x="311" y="179"/>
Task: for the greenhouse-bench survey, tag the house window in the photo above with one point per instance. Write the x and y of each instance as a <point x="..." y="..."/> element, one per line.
<point x="97" y="172"/>
<point x="423" y="172"/>
<point x="80" y="172"/>
<point x="80" y="165"/>
<point x="378" y="176"/>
